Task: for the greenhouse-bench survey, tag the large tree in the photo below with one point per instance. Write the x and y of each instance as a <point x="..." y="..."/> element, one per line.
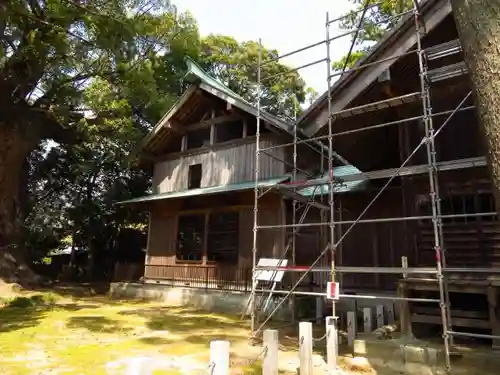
<point x="50" y="51"/>
<point x="375" y="21"/>
<point x="478" y="24"/>
<point x="236" y="63"/>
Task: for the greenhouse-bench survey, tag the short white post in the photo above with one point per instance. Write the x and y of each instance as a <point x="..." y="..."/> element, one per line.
<point x="404" y="264"/>
<point x="219" y="357"/>
<point x="351" y="327"/>
<point x="332" y="349"/>
<point x="305" y="348"/>
<point x="367" y="320"/>
<point x="380" y="316"/>
<point x="319" y="309"/>
<point x="390" y="313"/>
<point x="270" y="363"/>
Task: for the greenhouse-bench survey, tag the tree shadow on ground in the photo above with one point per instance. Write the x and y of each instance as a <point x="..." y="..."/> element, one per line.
<point x="28" y="311"/>
<point x="97" y="323"/>
<point x="183" y="320"/>
<point x="15" y="318"/>
<point x="91" y="293"/>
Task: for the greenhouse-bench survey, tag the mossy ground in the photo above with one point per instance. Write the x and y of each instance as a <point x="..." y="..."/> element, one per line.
<point x="50" y="333"/>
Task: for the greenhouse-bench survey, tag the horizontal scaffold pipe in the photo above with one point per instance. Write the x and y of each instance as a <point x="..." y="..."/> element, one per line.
<point x="350" y="296"/>
<point x="379" y="220"/>
<point x="371" y="127"/>
<point x="370" y="270"/>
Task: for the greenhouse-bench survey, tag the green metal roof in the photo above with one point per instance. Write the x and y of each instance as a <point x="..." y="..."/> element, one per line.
<point x="197" y="74"/>
<point x="343" y="187"/>
<point x="207" y="190"/>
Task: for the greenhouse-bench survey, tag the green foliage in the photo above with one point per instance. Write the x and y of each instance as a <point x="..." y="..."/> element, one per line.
<point x="376" y="21"/>
<point x="236" y="64"/>
<point x="84" y="82"/>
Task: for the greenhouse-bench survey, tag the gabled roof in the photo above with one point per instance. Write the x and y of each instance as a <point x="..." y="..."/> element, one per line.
<point x="202" y="80"/>
<point x="395" y="42"/>
<point x="196" y="74"/>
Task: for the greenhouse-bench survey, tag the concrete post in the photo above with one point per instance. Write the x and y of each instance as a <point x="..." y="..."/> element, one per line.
<point x="219" y="357"/>
<point x="305" y="348"/>
<point x="270" y="363"/>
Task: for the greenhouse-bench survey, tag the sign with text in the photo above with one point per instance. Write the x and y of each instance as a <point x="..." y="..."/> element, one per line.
<point x="332" y="290"/>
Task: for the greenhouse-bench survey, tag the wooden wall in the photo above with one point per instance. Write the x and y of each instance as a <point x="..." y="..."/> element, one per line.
<point x="162" y="241"/>
<point x="220" y="166"/>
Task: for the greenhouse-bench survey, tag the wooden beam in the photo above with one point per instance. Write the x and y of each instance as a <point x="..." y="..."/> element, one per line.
<point x="245" y="128"/>
<point x="212" y="121"/>
<point x="204" y="251"/>
<point x="212" y="129"/>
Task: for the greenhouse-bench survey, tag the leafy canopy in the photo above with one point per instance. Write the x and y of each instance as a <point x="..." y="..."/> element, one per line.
<point x="376" y="21"/>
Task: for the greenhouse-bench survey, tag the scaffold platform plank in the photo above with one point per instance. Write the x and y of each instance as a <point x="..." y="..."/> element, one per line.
<point x="375" y="106"/>
<point x="417" y="169"/>
<point x="442" y="50"/>
<point x="291" y="194"/>
<point x="447" y="72"/>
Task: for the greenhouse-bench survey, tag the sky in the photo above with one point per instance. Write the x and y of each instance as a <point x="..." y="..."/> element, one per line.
<point x="285" y="25"/>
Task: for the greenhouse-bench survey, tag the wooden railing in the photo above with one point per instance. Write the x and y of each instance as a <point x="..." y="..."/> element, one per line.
<point x="199" y="276"/>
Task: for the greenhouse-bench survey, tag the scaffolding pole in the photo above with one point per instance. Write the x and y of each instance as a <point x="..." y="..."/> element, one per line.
<point x="330" y="184"/>
<point x="362" y="214"/>
<point x="431" y="168"/>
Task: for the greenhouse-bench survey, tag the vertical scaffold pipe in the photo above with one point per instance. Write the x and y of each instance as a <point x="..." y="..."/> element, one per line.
<point x="430" y="150"/>
<point x="256" y="193"/>
<point x="330" y="180"/>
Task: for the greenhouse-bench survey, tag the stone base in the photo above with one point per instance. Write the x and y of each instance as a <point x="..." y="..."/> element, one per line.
<point x="417" y="357"/>
<point x="229" y="302"/>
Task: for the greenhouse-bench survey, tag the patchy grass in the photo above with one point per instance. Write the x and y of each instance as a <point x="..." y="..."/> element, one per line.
<point x="48" y="333"/>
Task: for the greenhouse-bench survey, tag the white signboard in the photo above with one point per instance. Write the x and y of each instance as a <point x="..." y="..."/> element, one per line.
<point x="270" y="275"/>
<point x="332" y="290"/>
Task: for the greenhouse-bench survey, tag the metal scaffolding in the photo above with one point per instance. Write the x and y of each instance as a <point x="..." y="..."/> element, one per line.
<point x="328" y="210"/>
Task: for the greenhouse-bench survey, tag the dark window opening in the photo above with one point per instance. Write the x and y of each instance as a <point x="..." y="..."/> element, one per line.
<point x="174" y="145"/>
<point x="190" y="237"/>
<point x="252" y="128"/>
<point x="222" y="246"/>
<point x="461" y="204"/>
<point x="227" y="131"/>
<point x="194" y="176"/>
<point x="198" y="138"/>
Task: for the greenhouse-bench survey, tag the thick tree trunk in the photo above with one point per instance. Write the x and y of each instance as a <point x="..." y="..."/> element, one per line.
<point x="14" y="148"/>
<point x="478" y="24"/>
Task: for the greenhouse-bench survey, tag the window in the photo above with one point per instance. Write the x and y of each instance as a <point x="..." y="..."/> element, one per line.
<point x="194" y="176"/>
<point x="222" y="246"/>
<point x="190" y="237"/>
<point x="460" y="204"/>
<point x="198" y="138"/>
<point x="227" y="131"/>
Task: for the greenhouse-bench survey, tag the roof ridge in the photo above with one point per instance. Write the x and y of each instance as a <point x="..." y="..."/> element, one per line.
<point x="194" y="69"/>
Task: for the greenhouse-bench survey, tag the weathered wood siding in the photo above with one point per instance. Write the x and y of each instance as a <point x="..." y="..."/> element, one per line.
<point x="220" y="167"/>
<point x="162" y="242"/>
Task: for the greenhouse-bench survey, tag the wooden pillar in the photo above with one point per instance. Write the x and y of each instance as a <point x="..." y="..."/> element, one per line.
<point x="404" y="310"/>
<point x="494" y="314"/>
<point x="204" y="249"/>
<point x="375" y="253"/>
